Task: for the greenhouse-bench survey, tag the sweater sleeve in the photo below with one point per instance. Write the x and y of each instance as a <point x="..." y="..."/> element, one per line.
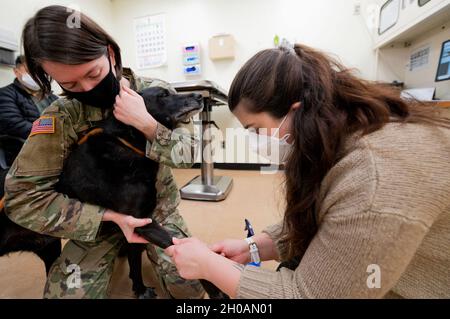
<point x="361" y="256"/>
<point x="275" y="233"/>
<point x="358" y="252"/>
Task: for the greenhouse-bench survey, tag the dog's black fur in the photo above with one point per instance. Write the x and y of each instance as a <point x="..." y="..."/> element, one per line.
<point x="105" y="172"/>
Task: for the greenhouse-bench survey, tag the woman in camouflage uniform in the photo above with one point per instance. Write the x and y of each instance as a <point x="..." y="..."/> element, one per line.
<point x="86" y="63"/>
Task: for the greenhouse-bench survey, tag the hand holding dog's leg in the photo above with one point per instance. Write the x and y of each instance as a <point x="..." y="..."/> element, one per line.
<point x="195" y="260"/>
<point x="234" y="249"/>
<point x="238" y="250"/>
<point x="127" y="224"/>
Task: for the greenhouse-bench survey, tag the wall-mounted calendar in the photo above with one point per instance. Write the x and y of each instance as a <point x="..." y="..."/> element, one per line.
<point x="150" y="34"/>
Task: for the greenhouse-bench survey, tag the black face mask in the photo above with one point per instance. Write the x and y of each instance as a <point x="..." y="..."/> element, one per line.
<point x="103" y="95"/>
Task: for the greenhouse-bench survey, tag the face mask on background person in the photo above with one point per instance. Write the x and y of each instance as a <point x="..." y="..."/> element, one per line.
<point x="103" y="95"/>
<point x="29" y="83"/>
<point x="273" y="148"/>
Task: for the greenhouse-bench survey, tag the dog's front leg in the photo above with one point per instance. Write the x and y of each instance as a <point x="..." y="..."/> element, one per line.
<point x="135" y="263"/>
<point x="156" y="234"/>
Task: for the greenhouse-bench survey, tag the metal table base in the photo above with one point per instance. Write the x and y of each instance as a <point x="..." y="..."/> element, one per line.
<point x="197" y="190"/>
<point x="206" y="187"/>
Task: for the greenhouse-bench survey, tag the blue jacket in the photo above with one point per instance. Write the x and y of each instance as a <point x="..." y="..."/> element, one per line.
<point x="18" y="111"/>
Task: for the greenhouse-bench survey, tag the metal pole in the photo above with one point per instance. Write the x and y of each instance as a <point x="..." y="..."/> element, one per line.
<point x="207" y="156"/>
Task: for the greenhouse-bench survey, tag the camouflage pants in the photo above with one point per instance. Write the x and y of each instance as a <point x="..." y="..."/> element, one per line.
<point x="84" y="269"/>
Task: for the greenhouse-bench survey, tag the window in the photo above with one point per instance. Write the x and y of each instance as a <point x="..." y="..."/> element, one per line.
<point x="389" y="15"/>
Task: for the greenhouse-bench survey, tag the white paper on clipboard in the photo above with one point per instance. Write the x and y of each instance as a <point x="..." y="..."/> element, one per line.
<point x="421" y="94"/>
<point x="150" y="38"/>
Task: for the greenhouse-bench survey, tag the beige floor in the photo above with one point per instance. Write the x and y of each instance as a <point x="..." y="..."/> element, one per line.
<point x="254" y="196"/>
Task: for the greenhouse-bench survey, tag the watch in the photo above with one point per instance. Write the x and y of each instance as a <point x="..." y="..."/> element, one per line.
<point x="254" y="252"/>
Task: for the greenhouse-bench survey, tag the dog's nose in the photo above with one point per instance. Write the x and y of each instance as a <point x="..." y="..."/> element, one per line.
<point x="197" y="97"/>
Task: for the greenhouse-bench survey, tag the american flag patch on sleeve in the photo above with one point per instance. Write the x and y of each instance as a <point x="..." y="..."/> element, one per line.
<point x="43" y="125"/>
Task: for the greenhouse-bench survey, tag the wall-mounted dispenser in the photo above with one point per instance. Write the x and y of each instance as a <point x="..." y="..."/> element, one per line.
<point x="191" y="59"/>
<point x="222" y="47"/>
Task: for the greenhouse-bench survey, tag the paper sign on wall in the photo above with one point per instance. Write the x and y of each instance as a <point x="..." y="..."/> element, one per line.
<point x="150" y="37"/>
<point x="419" y="59"/>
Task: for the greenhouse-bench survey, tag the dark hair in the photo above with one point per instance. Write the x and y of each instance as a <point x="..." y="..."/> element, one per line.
<point x="50" y="36"/>
<point x="334" y="104"/>
<point x="20" y="60"/>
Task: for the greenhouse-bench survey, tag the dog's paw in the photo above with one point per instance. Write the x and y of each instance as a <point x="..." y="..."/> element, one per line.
<point x="148" y="294"/>
<point x="218" y="295"/>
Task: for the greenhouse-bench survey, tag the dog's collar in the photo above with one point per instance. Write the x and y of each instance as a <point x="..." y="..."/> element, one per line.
<point x="98" y="130"/>
<point x="93" y="132"/>
<point x="135" y="149"/>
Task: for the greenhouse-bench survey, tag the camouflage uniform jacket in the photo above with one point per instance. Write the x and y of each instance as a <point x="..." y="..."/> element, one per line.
<point x="30" y="197"/>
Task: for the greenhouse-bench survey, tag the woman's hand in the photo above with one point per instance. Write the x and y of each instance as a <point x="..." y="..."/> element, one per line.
<point x="195" y="260"/>
<point x="130" y="109"/>
<point x="192" y="257"/>
<point x="234" y="249"/>
<point x="127" y="224"/>
<point x="238" y="250"/>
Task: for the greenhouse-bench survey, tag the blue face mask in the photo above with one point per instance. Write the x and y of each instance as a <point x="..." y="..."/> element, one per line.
<point x="103" y="95"/>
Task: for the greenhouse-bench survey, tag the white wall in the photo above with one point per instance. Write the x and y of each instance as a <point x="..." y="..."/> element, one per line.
<point x="14" y="14"/>
<point x="326" y="24"/>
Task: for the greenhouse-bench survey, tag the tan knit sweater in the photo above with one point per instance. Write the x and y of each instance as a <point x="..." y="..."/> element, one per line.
<point x="386" y="203"/>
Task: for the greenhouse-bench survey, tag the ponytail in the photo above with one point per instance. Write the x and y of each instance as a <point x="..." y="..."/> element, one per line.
<point x="334" y="104"/>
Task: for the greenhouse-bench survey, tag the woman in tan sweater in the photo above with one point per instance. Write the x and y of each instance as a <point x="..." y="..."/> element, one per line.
<point x="367" y="188"/>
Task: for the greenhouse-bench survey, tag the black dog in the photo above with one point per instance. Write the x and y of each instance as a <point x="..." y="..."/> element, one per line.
<point x="110" y="170"/>
<point x="14" y="238"/>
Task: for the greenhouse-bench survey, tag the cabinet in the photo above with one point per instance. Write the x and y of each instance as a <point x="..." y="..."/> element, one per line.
<point x="412" y="19"/>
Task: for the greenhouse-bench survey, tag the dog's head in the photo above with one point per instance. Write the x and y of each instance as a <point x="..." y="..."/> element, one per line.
<point x="167" y="108"/>
<point x="170" y="109"/>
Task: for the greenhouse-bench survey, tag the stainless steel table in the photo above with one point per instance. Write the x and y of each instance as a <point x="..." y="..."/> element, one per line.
<point x="206" y="187"/>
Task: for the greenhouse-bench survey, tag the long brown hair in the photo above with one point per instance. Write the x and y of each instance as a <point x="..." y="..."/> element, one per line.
<point x="49" y="36"/>
<point x="334" y="104"/>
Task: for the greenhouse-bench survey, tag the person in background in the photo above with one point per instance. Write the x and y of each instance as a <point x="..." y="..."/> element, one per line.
<point x="21" y="103"/>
